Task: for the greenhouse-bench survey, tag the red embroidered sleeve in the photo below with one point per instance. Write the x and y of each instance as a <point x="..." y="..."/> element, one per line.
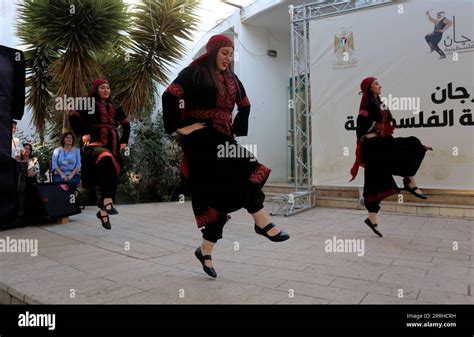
<point x="364" y="113"/>
<point x="176" y="90"/>
<point x="243" y="102"/>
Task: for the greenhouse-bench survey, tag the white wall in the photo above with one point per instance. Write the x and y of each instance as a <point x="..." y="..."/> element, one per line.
<point x="266" y="81"/>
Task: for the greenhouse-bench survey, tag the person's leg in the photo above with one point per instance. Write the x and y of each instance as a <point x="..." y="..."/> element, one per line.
<point x="108" y="181"/>
<point x="211" y="233"/>
<point x="440" y="52"/>
<point x="74" y="182"/>
<point x="373" y="208"/>
<point x="435" y="41"/>
<point x="57" y="178"/>
<point x="206" y="249"/>
<point x="254" y="205"/>
<point x="414" y="152"/>
<point x="428" y="40"/>
<point x="412" y="183"/>
<point x="261" y="220"/>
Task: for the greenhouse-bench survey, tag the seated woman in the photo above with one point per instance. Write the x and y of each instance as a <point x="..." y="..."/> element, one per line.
<point x="66" y="162"/>
<point x="33" y="164"/>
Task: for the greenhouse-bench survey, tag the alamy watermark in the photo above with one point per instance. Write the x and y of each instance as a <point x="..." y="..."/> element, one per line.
<point x="10" y="245"/>
<point x="37" y="320"/>
<point x="336" y="245"/>
<point x="229" y="150"/>
<point x="67" y="103"/>
<point x="394" y="103"/>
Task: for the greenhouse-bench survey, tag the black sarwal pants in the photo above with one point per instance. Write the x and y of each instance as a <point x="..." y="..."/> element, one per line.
<point x="384" y="158"/>
<point x="220" y="184"/>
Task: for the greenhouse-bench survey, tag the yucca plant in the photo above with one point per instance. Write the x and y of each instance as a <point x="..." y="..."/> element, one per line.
<point x="71" y="42"/>
<point x="156" y="42"/>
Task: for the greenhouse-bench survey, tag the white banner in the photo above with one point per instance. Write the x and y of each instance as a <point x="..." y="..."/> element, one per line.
<point x="430" y="97"/>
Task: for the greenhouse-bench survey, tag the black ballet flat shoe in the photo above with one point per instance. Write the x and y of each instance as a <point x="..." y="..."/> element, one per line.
<point x="105" y="224"/>
<point x="412" y="190"/>
<point x="372" y="227"/>
<point x="111" y="210"/>
<point x="208" y="270"/>
<point x="282" y="236"/>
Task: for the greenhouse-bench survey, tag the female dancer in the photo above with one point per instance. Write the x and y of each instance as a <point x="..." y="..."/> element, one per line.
<point x="441" y="24"/>
<point x="381" y="154"/>
<point x="101" y="146"/>
<point x="198" y="105"/>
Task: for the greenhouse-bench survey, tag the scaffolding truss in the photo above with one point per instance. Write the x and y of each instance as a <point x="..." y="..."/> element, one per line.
<point x="302" y="198"/>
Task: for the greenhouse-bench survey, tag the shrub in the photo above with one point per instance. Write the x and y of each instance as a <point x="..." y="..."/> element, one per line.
<point x="152" y="165"/>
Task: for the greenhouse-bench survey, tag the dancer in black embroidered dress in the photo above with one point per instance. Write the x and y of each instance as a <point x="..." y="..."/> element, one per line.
<point x="381" y="154"/>
<point x="198" y="105"/>
<point x="101" y="145"/>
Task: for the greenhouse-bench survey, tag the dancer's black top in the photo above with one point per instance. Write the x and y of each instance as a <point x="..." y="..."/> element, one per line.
<point x="185" y="102"/>
<point x="102" y="126"/>
<point x="218" y="184"/>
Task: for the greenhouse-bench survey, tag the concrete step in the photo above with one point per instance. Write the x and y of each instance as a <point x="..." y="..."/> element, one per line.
<point x="450" y="203"/>
<point x="436" y="196"/>
<point x="420" y="208"/>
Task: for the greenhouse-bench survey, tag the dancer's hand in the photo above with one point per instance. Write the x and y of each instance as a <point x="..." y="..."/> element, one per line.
<point x="191" y="128"/>
<point x="86" y="139"/>
<point x="370" y="135"/>
<point x="123" y="146"/>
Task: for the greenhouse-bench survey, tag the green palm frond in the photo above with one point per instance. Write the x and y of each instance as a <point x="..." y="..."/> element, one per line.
<point x="159" y="28"/>
<point x="76" y="25"/>
<point x="39" y="96"/>
<point x="71" y="42"/>
<point x="74" y="29"/>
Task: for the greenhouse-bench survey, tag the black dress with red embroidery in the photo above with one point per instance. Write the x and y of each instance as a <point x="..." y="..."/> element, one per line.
<point x="218" y="181"/>
<point x="102" y="126"/>
<point x="384" y="155"/>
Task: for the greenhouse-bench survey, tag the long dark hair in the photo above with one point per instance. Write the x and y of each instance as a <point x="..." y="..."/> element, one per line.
<point x="31" y="150"/>
<point x="373" y="106"/>
<point x="204" y="72"/>
<point x="109" y="100"/>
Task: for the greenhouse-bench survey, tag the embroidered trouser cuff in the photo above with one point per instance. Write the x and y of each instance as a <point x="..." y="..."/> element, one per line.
<point x="213" y="231"/>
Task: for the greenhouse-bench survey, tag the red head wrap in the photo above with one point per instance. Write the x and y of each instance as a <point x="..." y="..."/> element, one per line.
<point x="95" y="86"/>
<point x="364" y="87"/>
<point x="216" y="42"/>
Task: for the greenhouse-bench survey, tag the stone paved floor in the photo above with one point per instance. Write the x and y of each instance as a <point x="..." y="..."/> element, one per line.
<point x="148" y="258"/>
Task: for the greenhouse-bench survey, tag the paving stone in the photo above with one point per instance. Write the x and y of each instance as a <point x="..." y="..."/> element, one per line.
<point x="445" y="297"/>
<point x="415" y="255"/>
<point x="324" y="292"/>
<point x="384" y="299"/>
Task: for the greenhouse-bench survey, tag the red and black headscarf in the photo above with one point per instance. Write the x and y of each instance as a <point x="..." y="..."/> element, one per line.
<point x="95" y="86"/>
<point x="365" y="91"/>
<point x="216" y="42"/>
